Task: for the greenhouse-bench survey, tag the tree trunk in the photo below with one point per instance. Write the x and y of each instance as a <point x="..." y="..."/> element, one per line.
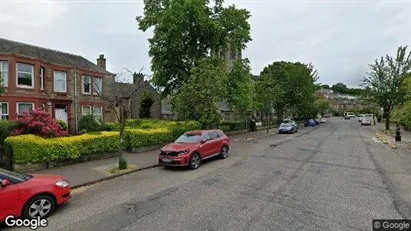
<point x="387" y="119"/>
<point x="121" y="135"/>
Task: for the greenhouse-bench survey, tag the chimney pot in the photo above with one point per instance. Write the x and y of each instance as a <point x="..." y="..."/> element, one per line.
<point x="101" y="61"/>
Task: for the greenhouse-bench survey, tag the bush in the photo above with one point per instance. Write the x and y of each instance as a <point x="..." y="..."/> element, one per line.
<point x="122" y="164"/>
<point x="181" y="127"/>
<point x="62" y="124"/>
<point x="89" y="123"/>
<point x="33" y="149"/>
<point x="232" y="126"/>
<point x="138" y="138"/>
<point x="6" y="129"/>
<point x="40" y="123"/>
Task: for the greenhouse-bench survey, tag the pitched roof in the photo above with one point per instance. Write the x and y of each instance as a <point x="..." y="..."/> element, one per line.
<point x="48" y="55"/>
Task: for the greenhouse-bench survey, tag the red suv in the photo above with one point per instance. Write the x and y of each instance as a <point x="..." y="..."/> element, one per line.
<point x="193" y="147"/>
<point x="31" y="196"/>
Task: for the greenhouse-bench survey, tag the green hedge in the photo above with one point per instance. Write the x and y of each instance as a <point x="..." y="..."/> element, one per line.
<point x="138" y="138"/>
<point x="34" y="149"/>
<point x="232" y="126"/>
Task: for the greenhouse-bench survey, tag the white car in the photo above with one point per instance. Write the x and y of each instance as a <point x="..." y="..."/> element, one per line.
<point x="323" y="120"/>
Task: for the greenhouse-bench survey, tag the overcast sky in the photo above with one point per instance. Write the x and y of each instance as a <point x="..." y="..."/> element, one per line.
<point x="338" y="37"/>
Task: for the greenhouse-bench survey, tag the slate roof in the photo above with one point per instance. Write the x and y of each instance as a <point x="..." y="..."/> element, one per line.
<point x="49" y="55"/>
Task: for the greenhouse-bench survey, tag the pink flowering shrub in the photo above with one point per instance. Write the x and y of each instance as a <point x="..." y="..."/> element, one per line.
<point x="39" y="123"/>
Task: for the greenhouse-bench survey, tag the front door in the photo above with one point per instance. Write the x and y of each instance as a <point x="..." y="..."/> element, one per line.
<point x="60" y="113"/>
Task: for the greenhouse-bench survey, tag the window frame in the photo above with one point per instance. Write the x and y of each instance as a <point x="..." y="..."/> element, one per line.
<point x="18" y="109"/>
<point x="65" y="81"/>
<point x="5" y="83"/>
<point x="32" y="76"/>
<point x="83" y="83"/>
<point x="101" y="115"/>
<point x="82" y="110"/>
<point x="41" y="73"/>
<point x="95" y="92"/>
<point x="1" y="110"/>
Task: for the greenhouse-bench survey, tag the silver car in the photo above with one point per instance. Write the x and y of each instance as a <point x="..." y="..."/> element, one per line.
<point x="288" y="126"/>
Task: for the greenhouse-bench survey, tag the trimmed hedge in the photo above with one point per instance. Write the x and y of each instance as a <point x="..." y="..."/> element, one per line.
<point x="6" y="129"/>
<point x="34" y="149"/>
<point x="232" y="126"/>
<point x="138" y="138"/>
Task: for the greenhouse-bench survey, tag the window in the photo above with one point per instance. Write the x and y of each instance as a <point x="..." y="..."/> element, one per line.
<point x="60" y="83"/>
<point x="86" y="110"/>
<point x="86" y="81"/>
<point x="4" y="111"/>
<point x="98" y="112"/>
<point x="24" y="107"/>
<point x="98" y="86"/>
<point x="4" y="72"/>
<point x="42" y="71"/>
<point x="24" y="75"/>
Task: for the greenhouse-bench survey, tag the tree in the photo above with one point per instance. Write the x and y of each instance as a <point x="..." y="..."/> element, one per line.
<point x="384" y="81"/>
<point x="322" y="105"/>
<point x="325" y="86"/>
<point x="118" y="101"/>
<point x="186" y="32"/>
<point x="240" y="88"/>
<point x="199" y="97"/>
<point x="340" y="87"/>
<point x="292" y="86"/>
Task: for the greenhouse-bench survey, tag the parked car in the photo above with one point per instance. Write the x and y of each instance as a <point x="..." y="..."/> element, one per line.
<point x="347" y="117"/>
<point x="360" y="117"/>
<point x="288" y="126"/>
<point x="310" y="123"/>
<point x="366" y="121"/>
<point x="323" y="120"/>
<point x="31" y="196"/>
<point x="193" y="147"/>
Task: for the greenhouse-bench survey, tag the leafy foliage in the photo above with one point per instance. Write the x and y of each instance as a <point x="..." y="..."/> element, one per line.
<point x="88" y="123"/>
<point x="198" y="98"/>
<point x="241" y="87"/>
<point x="62" y="124"/>
<point x="38" y="122"/>
<point x="384" y="81"/>
<point x="322" y="105"/>
<point x="186" y="32"/>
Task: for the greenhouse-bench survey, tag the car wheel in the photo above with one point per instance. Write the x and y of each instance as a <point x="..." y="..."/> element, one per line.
<point x="195" y="161"/>
<point x="224" y="152"/>
<point x="39" y="206"/>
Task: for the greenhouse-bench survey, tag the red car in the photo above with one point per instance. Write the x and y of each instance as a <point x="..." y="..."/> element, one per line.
<point x="193" y="147"/>
<point x="31" y="196"/>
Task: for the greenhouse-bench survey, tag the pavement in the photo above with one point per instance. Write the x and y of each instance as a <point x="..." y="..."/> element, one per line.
<point x="335" y="176"/>
<point x="80" y="174"/>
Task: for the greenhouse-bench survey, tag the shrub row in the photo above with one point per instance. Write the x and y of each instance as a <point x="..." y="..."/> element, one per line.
<point x="34" y="149"/>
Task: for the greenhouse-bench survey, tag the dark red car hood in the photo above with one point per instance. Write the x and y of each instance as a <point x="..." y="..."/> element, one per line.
<point x="173" y="147"/>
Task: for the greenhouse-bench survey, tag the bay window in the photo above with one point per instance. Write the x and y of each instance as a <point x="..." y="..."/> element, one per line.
<point x="86" y="110"/>
<point x="24" y="107"/>
<point x="60" y="81"/>
<point x="4" y="111"/>
<point x="4" y="73"/>
<point x="24" y="75"/>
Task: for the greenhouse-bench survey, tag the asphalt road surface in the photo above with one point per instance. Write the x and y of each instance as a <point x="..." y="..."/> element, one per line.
<point x="331" y="177"/>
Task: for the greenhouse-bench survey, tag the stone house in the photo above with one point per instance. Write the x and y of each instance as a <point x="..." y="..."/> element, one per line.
<point x="66" y="85"/>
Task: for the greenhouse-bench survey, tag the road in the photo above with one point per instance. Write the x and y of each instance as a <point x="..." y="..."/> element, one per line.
<point x="334" y="177"/>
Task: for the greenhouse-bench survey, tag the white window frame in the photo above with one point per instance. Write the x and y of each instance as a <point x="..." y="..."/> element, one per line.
<point x="89" y="106"/>
<point x="83" y="82"/>
<point x="101" y="115"/>
<point x="95" y="92"/>
<point x="1" y="110"/>
<point x="32" y="76"/>
<point x="18" y="103"/>
<point x="5" y="80"/>
<point x="65" y="82"/>
<point x="42" y="70"/>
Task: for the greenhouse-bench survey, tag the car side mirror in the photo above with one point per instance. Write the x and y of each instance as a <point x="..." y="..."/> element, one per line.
<point x="203" y="141"/>
<point x="5" y="183"/>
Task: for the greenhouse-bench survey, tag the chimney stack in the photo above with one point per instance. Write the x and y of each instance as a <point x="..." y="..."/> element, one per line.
<point x="101" y="61"/>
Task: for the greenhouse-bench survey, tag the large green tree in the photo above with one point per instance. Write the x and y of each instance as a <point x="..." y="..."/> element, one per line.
<point x="240" y="88"/>
<point x="294" y="87"/>
<point x="384" y="80"/>
<point x="186" y="32"/>
<point x="198" y="98"/>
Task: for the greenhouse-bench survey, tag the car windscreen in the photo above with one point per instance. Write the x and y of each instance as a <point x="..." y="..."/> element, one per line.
<point x="286" y="125"/>
<point x="189" y="138"/>
<point x="13" y="175"/>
